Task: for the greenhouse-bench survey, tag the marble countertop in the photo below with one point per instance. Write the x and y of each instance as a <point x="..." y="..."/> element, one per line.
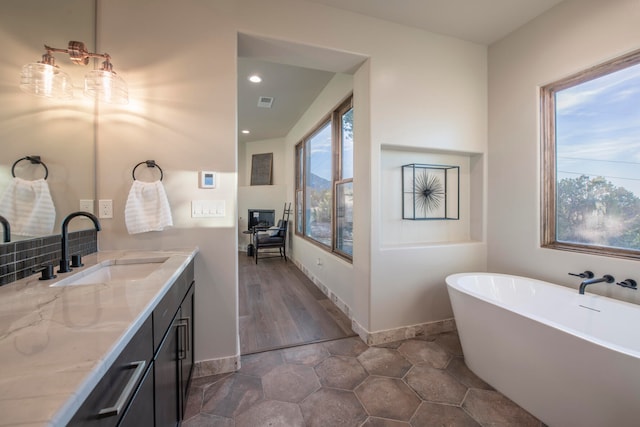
<point x="57" y="342"/>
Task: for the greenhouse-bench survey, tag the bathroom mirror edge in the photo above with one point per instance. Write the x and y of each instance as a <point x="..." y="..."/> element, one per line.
<point x="61" y="132"/>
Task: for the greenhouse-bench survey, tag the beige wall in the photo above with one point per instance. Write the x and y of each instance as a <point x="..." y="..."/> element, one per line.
<point x="418" y="90"/>
<point x="179" y="61"/>
<point x="571" y="37"/>
<point x="276" y="147"/>
<point x="260" y="196"/>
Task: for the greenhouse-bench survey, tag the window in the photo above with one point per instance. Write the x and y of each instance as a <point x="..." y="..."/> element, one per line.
<point x="344" y="182"/>
<point x="317" y="185"/>
<point x="324" y="183"/>
<point x="591" y="154"/>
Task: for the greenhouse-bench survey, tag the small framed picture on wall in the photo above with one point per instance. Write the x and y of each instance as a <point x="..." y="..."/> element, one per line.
<point x="261" y="169"/>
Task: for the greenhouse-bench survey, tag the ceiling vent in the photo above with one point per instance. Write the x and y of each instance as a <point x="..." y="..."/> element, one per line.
<point x="265" y="101"/>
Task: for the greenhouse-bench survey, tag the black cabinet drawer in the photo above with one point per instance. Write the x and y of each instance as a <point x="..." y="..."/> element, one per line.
<point x="140" y="412"/>
<point x="110" y="397"/>
<point x="166" y="309"/>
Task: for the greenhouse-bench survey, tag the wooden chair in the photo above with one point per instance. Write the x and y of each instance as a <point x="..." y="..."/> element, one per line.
<point x="273" y="238"/>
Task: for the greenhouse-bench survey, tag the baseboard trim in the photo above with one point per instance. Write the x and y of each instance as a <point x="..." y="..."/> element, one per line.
<point x="206" y="368"/>
<point x="380" y="337"/>
<point x="325" y="290"/>
<point x="404" y="332"/>
<point x="224" y="365"/>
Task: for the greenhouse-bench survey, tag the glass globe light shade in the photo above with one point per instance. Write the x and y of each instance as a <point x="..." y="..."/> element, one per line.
<point x="46" y="80"/>
<point x="106" y="86"/>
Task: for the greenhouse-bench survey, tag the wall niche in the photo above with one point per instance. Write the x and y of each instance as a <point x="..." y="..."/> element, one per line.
<point x="468" y="226"/>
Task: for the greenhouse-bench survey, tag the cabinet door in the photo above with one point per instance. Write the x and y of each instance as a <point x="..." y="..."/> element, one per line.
<point x="185" y="349"/>
<point x="140" y="412"/>
<point x="109" y="399"/>
<point x="166" y="379"/>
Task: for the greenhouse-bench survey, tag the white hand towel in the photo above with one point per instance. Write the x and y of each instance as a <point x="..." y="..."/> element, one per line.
<point x="28" y="207"/>
<point x="147" y="208"/>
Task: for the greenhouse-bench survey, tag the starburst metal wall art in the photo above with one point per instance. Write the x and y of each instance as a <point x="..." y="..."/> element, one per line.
<point x="430" y="191"/>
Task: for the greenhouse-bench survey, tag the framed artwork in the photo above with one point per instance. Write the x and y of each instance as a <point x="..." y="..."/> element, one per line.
<point x="261" y="169"/>
<point x="430" y="192"/>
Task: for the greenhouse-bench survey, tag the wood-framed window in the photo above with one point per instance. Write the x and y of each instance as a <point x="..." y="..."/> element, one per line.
<point x="590" y="160"/>
<point x="324" y="182"/>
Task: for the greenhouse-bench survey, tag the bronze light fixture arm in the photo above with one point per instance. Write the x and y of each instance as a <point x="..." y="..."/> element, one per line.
<point x="78" y="53"/>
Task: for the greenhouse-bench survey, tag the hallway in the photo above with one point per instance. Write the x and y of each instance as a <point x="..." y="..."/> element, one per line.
<point x="280" y="307"/>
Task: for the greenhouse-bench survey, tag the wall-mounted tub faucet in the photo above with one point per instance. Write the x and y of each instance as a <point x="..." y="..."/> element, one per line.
<point x="606" y="278"/>
<point x="64" y="261"/>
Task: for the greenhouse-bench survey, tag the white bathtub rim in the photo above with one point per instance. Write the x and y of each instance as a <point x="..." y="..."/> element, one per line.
<point x="451" y="281"/>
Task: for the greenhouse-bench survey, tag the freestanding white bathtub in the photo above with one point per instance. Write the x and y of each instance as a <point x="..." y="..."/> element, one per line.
<point x="569" y="359"/>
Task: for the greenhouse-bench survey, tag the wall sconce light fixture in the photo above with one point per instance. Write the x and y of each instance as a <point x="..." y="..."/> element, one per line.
<point x="45" y="78"/>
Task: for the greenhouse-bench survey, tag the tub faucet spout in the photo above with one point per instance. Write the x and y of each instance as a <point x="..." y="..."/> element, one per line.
<point x="606" y="278"/>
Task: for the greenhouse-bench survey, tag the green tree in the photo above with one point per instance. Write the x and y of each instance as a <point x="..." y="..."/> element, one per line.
<point x="594" y="211"/>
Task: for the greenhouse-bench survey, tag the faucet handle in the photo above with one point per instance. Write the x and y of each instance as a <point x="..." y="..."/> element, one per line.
<point x="46" y="271"/>
<point x="76" y="261"/>
<point x="584" y="275"/>
<point x="628" y="283"/>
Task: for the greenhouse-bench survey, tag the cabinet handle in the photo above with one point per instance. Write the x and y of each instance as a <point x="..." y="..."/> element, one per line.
<point x="126" y="392"/>
<point x="183" y="338"/>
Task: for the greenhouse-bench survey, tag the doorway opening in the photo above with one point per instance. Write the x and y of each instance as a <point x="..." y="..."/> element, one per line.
<point x="278" y="305"/>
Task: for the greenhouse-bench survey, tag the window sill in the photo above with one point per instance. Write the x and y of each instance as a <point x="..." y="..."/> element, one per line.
<point x="593" y="250"/>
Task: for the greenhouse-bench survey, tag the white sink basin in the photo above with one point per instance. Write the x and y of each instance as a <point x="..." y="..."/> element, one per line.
<point x="110" y="272"/>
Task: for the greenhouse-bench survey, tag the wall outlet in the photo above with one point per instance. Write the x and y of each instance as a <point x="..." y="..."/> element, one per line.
<point x="86" y="205"/>
<point x="105" y="208"/>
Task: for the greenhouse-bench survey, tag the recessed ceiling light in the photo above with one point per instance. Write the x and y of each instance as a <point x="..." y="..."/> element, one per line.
<point x="245" y="131"/>
<point x="255" y="78"/>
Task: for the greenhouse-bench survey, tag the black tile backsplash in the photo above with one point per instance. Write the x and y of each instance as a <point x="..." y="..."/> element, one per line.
<point x="18" y="259"/>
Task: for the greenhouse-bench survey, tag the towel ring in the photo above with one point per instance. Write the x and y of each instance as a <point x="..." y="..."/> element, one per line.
<point x="150" y="164"/>
<point x="33" y="159"/>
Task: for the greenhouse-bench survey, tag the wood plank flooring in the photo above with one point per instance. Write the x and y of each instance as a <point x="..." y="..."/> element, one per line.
<point x="280" y="307"/>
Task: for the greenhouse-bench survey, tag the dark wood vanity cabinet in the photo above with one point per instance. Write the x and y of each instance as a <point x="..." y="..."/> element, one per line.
<point x="112" y="395"/>
<point x="185" y="349"/>
<point x="140" y="410"/>
<point x="173" y="357"/>
<point x="147" y="384"/>
<point x="165" y="373"/>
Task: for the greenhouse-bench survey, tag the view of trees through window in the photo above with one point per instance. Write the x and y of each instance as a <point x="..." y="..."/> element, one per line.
<point x="594" y="211"/>
<point x="344" y="188"/>
<point x="324" y="183"/>
<point x="596" y="141"/>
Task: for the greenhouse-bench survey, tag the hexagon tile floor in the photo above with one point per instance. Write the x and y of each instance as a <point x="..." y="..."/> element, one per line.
<point x="419" y="382"/>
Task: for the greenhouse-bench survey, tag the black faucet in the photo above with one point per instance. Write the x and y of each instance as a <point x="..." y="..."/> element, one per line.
<point x="7" y="229"/>
<point x="606" y="278"/>
<point x="64" y="261"/>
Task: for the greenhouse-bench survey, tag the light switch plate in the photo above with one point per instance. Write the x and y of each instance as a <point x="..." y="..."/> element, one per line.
<point x="86" y="205"/>
<point x="207" y="208"/>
